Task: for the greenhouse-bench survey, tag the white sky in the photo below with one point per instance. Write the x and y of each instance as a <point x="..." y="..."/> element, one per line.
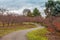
<point x="18" y="5"/>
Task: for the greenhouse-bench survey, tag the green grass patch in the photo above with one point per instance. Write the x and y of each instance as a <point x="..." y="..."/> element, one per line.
<point x="6" y="30"/>
<point x="37" y="34"/>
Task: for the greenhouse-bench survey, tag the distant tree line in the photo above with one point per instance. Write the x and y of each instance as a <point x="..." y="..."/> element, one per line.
<point x="27" y="12"/>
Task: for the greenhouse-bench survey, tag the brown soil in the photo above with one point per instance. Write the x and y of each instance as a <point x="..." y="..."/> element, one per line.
<point x="53" y="36"/>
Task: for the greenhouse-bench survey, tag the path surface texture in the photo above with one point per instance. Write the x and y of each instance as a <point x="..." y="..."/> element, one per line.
<point x="19" y="35"/>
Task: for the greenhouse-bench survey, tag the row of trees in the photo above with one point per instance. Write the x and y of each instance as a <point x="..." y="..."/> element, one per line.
<point x="8" y="19"/>
<point x="11" y="18"/>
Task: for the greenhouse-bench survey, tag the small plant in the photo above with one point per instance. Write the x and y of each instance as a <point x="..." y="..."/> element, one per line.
<point x="37" y="34"/>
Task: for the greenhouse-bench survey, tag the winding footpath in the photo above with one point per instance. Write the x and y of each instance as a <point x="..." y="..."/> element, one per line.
<point x="19" y="35"/>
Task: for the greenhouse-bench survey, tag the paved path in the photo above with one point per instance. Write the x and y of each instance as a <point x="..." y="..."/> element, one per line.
<point x="19" y="35"/>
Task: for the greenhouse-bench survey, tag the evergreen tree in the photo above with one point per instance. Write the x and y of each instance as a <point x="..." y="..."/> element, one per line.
<point x="36" y="12"/>
<point x="52" y="8"/>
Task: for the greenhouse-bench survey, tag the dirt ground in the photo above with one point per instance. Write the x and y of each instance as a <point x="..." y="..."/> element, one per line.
<point x="53" y="36"/>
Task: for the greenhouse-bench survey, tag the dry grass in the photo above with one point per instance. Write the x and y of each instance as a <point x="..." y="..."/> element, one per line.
<point x="6" y="30"/>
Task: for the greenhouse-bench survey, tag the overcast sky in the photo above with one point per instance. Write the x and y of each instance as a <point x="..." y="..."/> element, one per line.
<point x="19" y="5"/>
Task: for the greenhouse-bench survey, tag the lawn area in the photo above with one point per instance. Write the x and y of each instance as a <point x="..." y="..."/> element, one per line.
<point x="6" y="30"/>
<point x="37" y="34"/>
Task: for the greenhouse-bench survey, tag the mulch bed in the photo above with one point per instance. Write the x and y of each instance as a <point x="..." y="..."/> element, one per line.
<point x="0" y="38"/>
<point x="53" y="36"/>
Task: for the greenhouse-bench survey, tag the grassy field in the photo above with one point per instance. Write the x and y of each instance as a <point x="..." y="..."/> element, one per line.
<point x="6" y="30"/>
<point x="37" y="34"/>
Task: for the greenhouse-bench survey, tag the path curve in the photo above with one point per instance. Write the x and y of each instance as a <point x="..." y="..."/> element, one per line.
<point x="19" y="35"/>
